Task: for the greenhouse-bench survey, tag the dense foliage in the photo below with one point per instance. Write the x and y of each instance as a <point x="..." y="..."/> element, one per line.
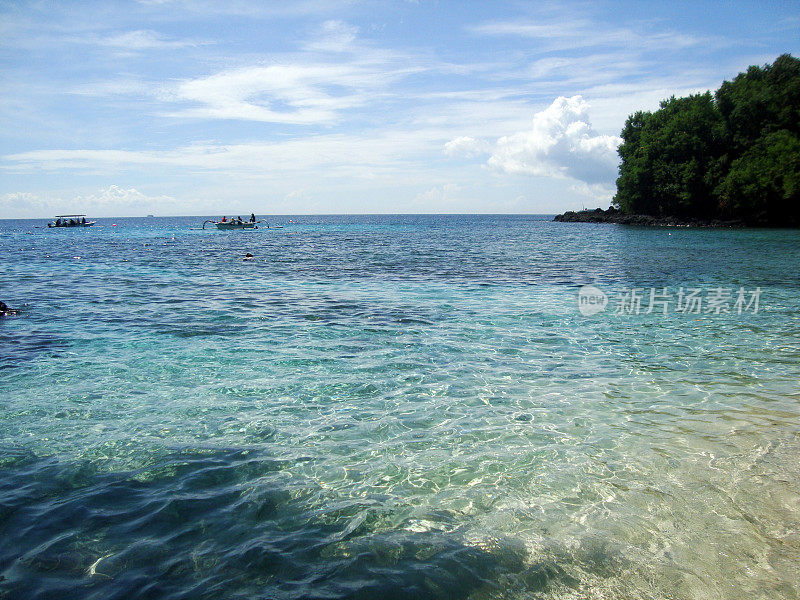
<point x="733" y="155"/>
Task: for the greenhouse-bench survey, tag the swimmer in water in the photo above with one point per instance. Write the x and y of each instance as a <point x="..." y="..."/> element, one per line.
<point x="248" y="256"/>
<point x="5" y="310"/>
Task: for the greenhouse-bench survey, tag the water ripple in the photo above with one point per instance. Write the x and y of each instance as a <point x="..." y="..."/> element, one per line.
<point x="394" y="406"/>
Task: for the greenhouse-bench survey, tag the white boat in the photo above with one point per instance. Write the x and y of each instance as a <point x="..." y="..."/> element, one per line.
<point x="74" y="221"/>
<point x="236" y="224"/>
<point x="232" y="224"/>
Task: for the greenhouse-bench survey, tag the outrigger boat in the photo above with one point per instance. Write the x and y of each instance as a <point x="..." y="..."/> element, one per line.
<point x="235" y="224"/>
<point x="74" y="221"/>
<point x="231" y="224"/>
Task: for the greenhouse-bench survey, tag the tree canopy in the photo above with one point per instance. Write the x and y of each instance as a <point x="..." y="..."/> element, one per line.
<point x="733" y="155"/>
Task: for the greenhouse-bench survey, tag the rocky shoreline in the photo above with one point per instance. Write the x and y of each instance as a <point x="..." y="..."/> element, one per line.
<point x="612" y="215"/>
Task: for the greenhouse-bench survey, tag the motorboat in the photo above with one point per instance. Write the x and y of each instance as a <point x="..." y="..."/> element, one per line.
<point x="71" y="221"/>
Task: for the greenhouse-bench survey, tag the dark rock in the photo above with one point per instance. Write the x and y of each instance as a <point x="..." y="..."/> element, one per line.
<point x="612" y="215"/>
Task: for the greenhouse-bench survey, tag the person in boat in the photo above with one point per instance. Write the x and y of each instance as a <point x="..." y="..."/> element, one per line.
<point x="72" y="222"/>
<point x="239" y="220"/>
<point x="58" y="222"/>
<point x="224" y="219"/>
<point x="252" y="217"/>
<point x="83" y="220"/>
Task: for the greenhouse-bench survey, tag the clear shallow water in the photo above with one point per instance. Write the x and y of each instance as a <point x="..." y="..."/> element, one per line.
<point x="394" y="406"/>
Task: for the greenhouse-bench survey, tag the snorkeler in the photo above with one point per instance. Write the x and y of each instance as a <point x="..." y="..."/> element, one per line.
<point x="5" y="310"/>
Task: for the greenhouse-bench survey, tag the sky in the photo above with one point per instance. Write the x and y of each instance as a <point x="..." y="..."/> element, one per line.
<point x="179" y="107"/>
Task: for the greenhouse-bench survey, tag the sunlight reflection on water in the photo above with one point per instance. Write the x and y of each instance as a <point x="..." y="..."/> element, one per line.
<point x="395" y="406"/>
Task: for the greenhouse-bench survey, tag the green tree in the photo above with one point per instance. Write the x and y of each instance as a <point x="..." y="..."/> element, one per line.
<point x="635" y="182"/>
<point x="760" y="101"/>
<point x="668" y="156"/>
<point x="732" y="155"/>
<point x="763" y="185"/>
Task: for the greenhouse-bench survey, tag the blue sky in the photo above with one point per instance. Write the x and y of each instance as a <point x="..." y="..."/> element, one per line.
<point x="324" y="106"/>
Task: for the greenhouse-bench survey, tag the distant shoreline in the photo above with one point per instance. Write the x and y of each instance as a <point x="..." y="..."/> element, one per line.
<point x="615" y="216"/>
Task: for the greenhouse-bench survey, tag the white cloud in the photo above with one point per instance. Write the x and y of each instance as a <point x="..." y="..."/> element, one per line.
<point x="332" y="74"/>
<point x="111" y="87"/>
<point x="466" y="146"/>
<point x="336" y="36"/>
<point x="300" y="90"/>
<point x="110" y="201"/>
<point x="142" y="40"/>
<point x="131" y="41"/>
<point x="247" y="8"/>
<point x="290" y="93"/>
<point x="565" y="32"/>
<point x="295" y="195"/>
<point x="560" y="143"/>
<point x="597" y="192"/>
<point x="438" y="195"/>
<point x="334" y="155"/>
<point x="25" y="204"/>
<point x="115" y="200"/>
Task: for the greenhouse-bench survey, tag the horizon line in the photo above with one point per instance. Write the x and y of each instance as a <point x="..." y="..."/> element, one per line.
<point x="307" y="215"/>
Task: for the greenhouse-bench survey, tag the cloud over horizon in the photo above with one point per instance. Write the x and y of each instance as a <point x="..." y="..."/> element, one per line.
<point x="560" y="143"/>
<point x="106" y="202"/>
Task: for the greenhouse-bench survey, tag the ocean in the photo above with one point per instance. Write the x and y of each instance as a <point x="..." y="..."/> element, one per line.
<point x="399" y="407"/>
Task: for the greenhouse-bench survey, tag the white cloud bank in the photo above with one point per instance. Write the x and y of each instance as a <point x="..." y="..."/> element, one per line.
<point x="561" y="143"/>
<point x="299" y="94"/>
<point x="143" y="40"/>
<point x="115" y="200"/>
<point x="561" y="30"/>
<point x="110" y="201"/>
<point x="334" y="74"/>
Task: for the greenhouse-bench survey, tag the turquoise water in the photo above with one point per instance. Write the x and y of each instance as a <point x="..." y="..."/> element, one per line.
<point x="395" y="407"/>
